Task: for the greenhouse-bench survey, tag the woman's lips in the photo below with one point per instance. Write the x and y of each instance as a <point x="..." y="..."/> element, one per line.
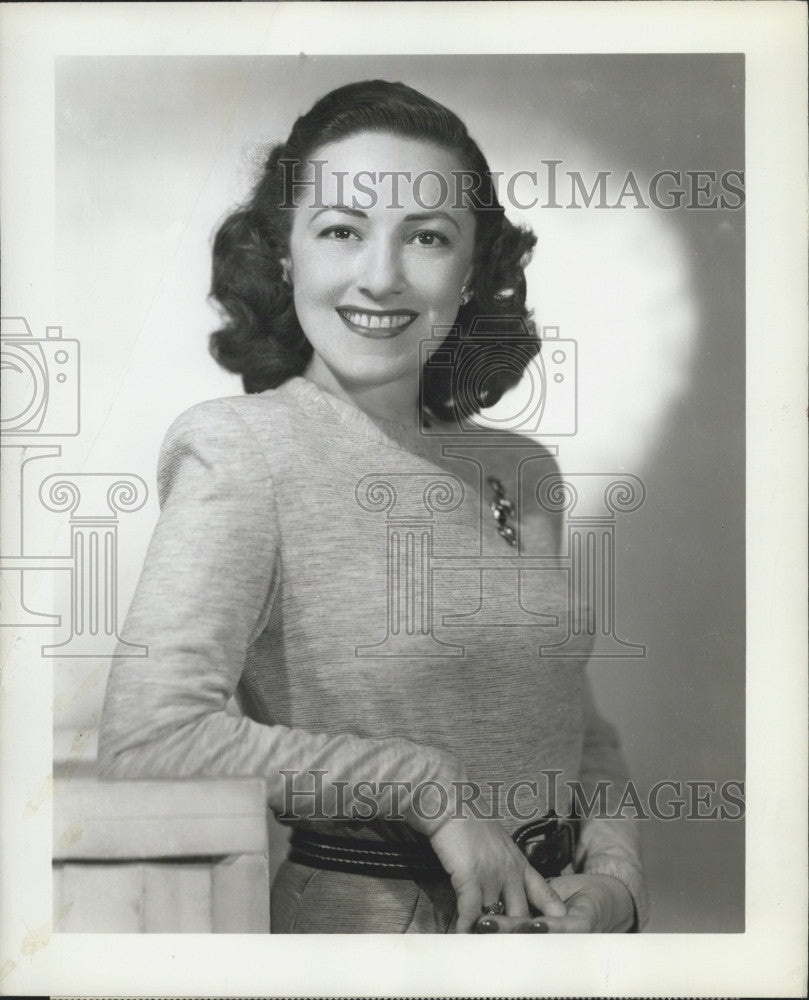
<point x="377" y="325"/>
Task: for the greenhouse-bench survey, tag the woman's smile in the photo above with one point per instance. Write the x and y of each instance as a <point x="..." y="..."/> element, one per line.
<point x="373" y="324"/>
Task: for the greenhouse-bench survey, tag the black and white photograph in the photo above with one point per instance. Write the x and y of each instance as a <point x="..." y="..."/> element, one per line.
<point x="403" y="516"/>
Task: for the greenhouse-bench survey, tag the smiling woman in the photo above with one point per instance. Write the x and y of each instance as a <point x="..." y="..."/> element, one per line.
<point x="331" y="549"/>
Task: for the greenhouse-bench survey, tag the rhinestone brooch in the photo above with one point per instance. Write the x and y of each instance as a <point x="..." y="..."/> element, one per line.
<point x="502" y="509"/>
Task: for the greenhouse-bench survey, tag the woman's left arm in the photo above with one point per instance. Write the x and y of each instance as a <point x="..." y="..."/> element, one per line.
<point x="609" y="841"/>
<point x="608" y="895"/>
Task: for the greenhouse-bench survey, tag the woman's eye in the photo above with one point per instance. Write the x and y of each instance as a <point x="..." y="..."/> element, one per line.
<point x="430" y="239"/>
<point x="339" y="233"/>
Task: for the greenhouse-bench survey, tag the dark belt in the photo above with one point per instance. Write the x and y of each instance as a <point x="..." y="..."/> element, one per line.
<point x="547" y="843"/>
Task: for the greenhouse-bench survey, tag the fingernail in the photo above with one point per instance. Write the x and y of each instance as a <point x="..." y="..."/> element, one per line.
<point x="487" y="926"/>
<point x="539" y="927"/>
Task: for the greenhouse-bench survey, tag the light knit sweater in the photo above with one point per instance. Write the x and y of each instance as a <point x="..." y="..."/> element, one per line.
<point x="344" y="576"/>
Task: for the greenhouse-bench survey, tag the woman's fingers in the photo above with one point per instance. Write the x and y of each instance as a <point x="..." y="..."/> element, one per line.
<point x="469" y="902"/>
<point x="472" y="894"/>
<point x="503" y="925"/>
<point x="581" y="918"/>
<point x="485" y="866"/>
<point x="566" y="886"/>
<point x="514" y="895"/>
<point x="594" y="904"/>
<point x="541" y="895"/>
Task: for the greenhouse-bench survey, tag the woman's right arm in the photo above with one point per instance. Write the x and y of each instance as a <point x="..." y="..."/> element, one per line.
<point x="204" y="596"/>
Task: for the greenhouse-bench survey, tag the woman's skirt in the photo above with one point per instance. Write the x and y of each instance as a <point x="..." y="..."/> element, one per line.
<point x="308" y="900"/>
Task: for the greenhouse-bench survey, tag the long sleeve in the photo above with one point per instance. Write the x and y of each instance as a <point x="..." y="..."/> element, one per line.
<point x="205" y="594"/>
<point x="608" y="846"/>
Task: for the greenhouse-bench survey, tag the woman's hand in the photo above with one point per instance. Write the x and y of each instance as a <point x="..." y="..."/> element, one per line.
<point x="596" y="904"/>
<point x="485" y="865"/>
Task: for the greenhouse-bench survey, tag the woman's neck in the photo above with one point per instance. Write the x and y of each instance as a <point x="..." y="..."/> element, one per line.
<point x="395" y="401"/>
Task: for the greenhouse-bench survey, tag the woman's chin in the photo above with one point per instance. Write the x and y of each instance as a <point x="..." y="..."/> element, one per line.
<point x="371" y="377"/>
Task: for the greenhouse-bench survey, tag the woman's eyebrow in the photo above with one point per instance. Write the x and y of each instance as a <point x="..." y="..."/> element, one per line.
<point x="426" y="216"/>
<point x="415" y="217"/>
<point x="341" y="208"/>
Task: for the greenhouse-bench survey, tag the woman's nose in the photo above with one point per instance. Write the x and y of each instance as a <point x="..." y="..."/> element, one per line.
<point x="381" y="273"/>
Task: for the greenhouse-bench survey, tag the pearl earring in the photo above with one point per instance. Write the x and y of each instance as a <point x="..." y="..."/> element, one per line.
<point x="466" y="296"/>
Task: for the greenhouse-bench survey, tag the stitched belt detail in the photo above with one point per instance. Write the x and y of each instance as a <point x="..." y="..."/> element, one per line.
<point x="363" y="857"/>
<point x="548" y="844"/>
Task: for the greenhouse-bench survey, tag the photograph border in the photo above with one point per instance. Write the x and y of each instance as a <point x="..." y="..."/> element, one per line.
<point x="769" y="958"/>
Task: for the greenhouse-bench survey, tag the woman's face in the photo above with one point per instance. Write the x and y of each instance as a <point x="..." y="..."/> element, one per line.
<point x="376" y="269"/>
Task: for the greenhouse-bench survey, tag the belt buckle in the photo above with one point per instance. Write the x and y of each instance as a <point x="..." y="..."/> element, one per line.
<point x="547" y="845"/>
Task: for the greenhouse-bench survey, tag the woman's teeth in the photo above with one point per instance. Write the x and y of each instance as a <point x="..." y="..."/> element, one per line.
<point x="372" y="321"/>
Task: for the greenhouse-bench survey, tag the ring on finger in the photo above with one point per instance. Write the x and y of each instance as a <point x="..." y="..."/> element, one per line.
<point x="494" y="909"/>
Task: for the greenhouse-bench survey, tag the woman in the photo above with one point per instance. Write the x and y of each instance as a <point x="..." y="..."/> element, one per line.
<point x="326" y="551"/>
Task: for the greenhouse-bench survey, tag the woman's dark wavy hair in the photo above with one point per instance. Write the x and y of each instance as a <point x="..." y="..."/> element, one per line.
<point x="262" y="339"/>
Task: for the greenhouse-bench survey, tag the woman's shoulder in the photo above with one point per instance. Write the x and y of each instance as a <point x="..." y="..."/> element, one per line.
<point x="230" y="417"/>
<point x="233" y="437"/>
<point x="504" y="449"/>
<point x="232" y="442"/>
